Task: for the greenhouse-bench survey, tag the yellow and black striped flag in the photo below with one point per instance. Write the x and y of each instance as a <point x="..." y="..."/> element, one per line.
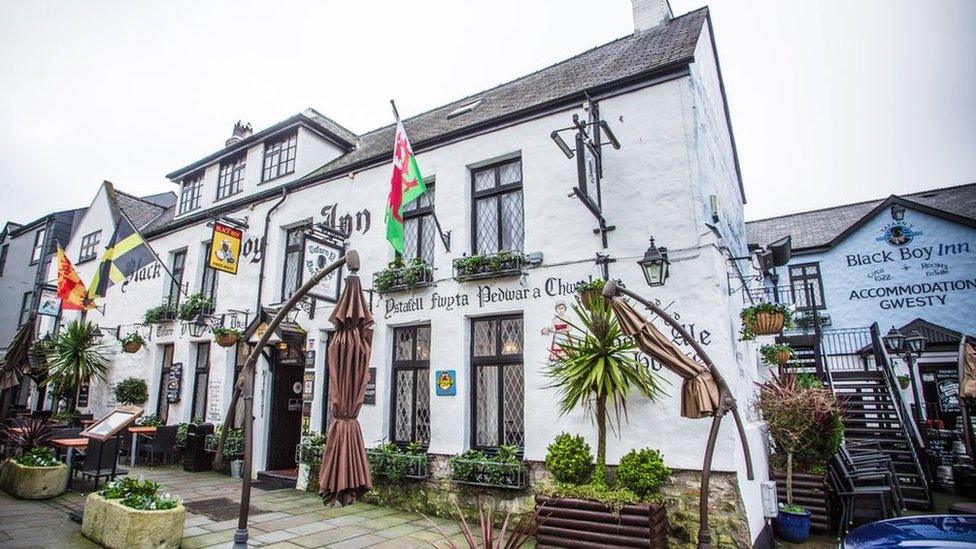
<point x="127" y="252"/>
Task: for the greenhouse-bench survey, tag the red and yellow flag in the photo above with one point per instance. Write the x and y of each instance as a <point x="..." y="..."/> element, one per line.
<point x="71" y="290"/>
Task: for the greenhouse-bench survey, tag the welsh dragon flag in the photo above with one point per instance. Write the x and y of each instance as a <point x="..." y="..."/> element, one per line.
<point x="406" y="185"/>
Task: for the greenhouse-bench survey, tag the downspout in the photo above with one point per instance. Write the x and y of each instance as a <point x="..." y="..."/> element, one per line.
<point x="264" y="248"/>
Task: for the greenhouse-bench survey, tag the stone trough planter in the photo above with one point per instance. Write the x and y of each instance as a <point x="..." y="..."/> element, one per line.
<point x="584" y="524"/>
<point x="33" y="482"/>
<point x="111" y="524"/>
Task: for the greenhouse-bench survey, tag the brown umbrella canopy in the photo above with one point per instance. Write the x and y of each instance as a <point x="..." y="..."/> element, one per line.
<point x="16" y="360"/>
<point x="967" y="370"/>
<point x="699" y="392"/>
<point x="345" y="472"/>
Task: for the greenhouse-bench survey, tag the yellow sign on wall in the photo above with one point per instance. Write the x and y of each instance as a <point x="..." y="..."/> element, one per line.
<point x="225" y="248"/>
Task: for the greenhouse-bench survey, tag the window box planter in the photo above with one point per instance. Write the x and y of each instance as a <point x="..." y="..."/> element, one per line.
<point x="489" y="474"/>
<point x="195" y="305"/>
<point x="484" y="266"/>
<point x="111" y="524"/>
<point x="400" y="276"/>
<point x="397" y="465"/>
<point x="24" y="482"/>
<point x="160" y="314"/>
<point x="572" y="522"/>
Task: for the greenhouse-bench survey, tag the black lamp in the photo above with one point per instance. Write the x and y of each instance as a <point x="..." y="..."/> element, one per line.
<point x="198" y="326"/>
<point x="97" y="335"/>
<point x="916" y="343"/>
<point x="655" y="265"/>
<point x="897" y="212"/>
<point x="894" y="340"/>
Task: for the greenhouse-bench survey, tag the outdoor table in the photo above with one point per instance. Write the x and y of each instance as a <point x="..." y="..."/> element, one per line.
<point x="136" y="431"/>
<point x="70" y="444"/>
<point x="86" y="422"/>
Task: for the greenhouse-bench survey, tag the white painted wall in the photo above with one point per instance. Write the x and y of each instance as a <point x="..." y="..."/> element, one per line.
<point x="672" y="159"/>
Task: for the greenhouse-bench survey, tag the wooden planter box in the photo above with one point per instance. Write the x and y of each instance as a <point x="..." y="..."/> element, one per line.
<point x="33" y="482"/>
<point x="586" y="524"/>
<point x="111" y="524"/>
<point x="810" y="491"/>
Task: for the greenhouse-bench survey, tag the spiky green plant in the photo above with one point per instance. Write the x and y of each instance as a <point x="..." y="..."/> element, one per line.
<point x="598" y="371"/>
<point x="75" y="358"/>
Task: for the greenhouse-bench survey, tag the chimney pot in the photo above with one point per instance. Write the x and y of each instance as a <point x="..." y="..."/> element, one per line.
<point x="241" y="131"/>
<point x="649" y="14"/>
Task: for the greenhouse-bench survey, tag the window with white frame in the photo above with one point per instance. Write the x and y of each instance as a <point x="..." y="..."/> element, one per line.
<point x="498" y="217"/>
<point x="38" y="249"/>
<point x="410" y="421"/>
<point x="201" y="380"/>
<point x="279" y="156"/>
<point x="89" y="246"/>
<point x="498" y="382"/>
<point x="190" y="192"/>
<point x="231" y="177"/>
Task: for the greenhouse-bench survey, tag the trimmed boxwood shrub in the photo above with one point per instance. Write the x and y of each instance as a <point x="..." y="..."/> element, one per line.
<point x="642" y="471"/>
<point x="569" y="459"/>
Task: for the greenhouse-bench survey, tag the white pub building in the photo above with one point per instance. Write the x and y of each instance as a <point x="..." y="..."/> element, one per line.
<point x="307" y="188"/>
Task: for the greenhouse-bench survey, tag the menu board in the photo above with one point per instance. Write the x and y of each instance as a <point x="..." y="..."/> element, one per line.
<point x="115" y="421"/>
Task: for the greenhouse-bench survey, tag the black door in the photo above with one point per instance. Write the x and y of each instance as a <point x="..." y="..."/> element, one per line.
<point x="286" y="414"/>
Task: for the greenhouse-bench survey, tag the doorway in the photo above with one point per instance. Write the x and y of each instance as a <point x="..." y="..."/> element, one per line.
<point x="285" y="426"/>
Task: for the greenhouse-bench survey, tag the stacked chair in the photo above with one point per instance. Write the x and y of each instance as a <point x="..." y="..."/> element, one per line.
<point x="862" y="474"/>
<point x="163" y="444"/>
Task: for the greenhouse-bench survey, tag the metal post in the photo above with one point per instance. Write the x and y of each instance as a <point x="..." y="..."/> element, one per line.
<point x="920" y="414"/>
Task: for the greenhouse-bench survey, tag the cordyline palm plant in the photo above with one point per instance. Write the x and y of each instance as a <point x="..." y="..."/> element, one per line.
<point x="598" y="371"/>
<point x="75" y="358"/>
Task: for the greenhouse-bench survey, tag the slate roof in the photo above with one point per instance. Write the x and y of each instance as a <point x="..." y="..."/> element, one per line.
<point x="139" y="211"/>
<point x="630" y="59"/>
<point x="632" y="56"/>
<point x="164" y="200"/>
<point x="818" y="228"/>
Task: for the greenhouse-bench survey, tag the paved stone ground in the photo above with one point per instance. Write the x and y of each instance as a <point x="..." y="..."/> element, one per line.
<point x="281" y="518"/>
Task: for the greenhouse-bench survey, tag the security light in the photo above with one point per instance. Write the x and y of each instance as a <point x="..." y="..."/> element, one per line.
<point x="561" y="144"/>
<point x="606" y="131"/>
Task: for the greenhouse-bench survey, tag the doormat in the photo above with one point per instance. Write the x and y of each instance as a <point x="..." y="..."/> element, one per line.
<point x="219" y="509"/>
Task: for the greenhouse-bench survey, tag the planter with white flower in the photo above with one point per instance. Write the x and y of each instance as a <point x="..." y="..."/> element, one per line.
<point x="130" y="512"/>
<point x="131" y="343"/>
<point x="36" y="474"/>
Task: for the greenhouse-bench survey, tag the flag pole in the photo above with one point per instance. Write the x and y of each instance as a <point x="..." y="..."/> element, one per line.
<point x="445" y="237"/>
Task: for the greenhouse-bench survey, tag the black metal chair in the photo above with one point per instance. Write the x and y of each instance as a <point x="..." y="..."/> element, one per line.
<point x="100" y="460"/>
<point x="850" y="494"/>
<point x="163" y="444"/>
<point x="870" y="466"/>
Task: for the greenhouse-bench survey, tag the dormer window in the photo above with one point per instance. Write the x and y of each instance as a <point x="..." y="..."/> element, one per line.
<point x="190" y="191"/>
<point x="279" y="156"/>
<point x="231" y="178"/>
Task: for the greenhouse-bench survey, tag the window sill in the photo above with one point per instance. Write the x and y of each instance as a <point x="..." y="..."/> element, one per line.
<point x="263" y="181"/>
<point x="86" y="260"/>
<point x="222" y="198"/>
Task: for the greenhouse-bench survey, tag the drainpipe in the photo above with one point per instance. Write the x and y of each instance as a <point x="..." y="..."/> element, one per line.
<point x="264" y="248"/>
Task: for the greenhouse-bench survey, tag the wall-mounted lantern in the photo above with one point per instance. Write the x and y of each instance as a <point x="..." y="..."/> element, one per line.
<point x="655" y="264"/>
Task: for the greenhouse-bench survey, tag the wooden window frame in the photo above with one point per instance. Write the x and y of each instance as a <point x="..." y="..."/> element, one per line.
<point x="798" y="286"/>
<point x="279" y="157"/>
<point x="497" y="361"/>
<point x="230" y="177"/>
<point x="418" y="367"/>
<point x="89" y="246"/>
<point x="498" y="191"/>
<point x="191" y="189"/>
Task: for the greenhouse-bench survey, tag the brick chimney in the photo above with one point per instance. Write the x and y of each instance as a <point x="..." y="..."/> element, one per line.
<point x="650" y="13"/>
<point x="241" y="132"/>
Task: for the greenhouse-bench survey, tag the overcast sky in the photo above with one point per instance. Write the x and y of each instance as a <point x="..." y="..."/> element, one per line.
<point x="832" y="101"/>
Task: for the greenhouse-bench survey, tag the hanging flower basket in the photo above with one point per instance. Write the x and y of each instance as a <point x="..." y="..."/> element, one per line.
<point x="777" y="353"/>
<point x="131" y="346"/>
<point x="764" y="319"/>
<point x="226" y="337"/>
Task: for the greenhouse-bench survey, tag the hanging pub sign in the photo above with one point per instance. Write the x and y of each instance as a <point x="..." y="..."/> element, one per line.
<point x="49" y="304"/>
<point x="319" y="254"/>
<point x="225" y="248"/>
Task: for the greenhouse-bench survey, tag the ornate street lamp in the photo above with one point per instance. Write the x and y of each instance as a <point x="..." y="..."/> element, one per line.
<point x="894" y="340"/>
<point x="655" y="265"/>
<point x="916" y="343"/>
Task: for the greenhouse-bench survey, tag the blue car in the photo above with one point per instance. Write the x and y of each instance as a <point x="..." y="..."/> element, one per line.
<point x="930" y="531"/>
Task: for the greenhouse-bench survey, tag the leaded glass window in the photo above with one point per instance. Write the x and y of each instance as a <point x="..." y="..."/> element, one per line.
<point x="201" y="380"/>
<point x="419" y="230"/>
<point x="498" y="210"/>
<point x="410" y="420"/>
<point x="292" y="275"/>
<point x="499" y="385"/>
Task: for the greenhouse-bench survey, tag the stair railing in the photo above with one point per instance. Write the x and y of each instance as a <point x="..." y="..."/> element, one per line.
<point x="901" y="410"/>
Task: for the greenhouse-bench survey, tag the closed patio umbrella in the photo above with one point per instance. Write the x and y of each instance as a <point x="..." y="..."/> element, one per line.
<point x="967" y="389"/>
<point x="699" y="392"/>
<point x="345" y="473"/>
<point x="15" y="363"/>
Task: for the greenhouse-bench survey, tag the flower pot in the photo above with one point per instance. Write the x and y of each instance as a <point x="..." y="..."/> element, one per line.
<point x="24" y="482"/>
<point x="131" y="346"/>
<point x="576" y="523"/>
<point x="768" y="323"/>
<point x="226" y="340"/>
<point x="236" y="468"/>
<point x="793" y="527"/>
<point x="111" y="524"/>
<point x="590" y="297"/>
<point x="783" y="356"/>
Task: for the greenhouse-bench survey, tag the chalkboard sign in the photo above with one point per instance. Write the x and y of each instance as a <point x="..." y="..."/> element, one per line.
<point x="939" y="445"/>
<point x="174" y="383"/>
<point x="947" y="387"/>
<point x="371" y="388"/>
